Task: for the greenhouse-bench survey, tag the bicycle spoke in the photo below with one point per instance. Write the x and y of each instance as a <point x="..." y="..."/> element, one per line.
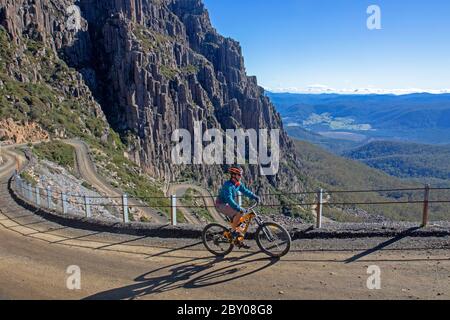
<point x="274" y="240"/>
<point x="215" y="240"/>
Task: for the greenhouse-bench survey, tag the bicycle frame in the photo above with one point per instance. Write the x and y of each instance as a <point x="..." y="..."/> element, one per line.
<point x="253" y="215"/>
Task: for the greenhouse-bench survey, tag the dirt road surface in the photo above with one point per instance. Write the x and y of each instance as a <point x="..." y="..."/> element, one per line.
<point x="87" y="170"/>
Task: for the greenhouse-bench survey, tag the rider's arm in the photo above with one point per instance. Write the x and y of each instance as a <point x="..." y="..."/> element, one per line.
<point x="229" y="198"/>
<point x="246" y="192"/>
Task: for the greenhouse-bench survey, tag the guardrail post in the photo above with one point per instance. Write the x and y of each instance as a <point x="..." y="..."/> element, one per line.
<point x="38" y="196"/>
<point x="87" y="206"/>
<point x="64" y="202"/>
<point x="126" y="218"/>
<point x="30" y="192"/>
<point x="240" y="198"/>
<point x="16" y="178"/>
<point x="426" y="206"/>
<point x="49" y="197"/>
<point x="173" y="209"/>
<point x="21" y="190"/>
<point x="319" y="209"/>
<point x="20" y="187"/>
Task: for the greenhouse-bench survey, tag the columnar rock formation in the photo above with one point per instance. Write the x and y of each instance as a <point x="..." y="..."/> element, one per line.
<point x="155" y="66"/>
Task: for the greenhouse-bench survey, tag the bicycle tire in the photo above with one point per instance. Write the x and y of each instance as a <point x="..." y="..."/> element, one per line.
<point x="229" y="245"/>
<point x="260" y="233"/>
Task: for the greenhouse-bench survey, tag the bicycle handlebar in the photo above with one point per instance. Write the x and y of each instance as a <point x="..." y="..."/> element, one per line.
<point x="253" y="206"/>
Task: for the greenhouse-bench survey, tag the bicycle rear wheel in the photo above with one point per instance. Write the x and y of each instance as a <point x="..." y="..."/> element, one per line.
<point x="215" y="240"/>
<point x="273" y="239"/>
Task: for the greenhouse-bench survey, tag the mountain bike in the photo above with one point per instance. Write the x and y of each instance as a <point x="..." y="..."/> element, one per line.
<point x="273" y="239"/>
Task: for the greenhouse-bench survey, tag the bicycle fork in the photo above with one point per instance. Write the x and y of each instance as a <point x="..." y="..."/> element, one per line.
<point x="266" y="230"/>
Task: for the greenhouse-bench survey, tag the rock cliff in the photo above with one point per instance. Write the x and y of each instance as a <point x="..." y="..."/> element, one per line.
<point x="151" y="67"/>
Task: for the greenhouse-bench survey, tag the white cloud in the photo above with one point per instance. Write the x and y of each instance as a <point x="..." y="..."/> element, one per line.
<point x="320" y="89"/>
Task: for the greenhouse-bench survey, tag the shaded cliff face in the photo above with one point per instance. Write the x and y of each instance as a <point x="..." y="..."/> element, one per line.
<point x="35" y="84"/>
<point x="155" y="66"/>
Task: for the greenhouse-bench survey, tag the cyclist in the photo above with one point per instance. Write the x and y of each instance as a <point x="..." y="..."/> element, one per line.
<point x="226" y="203"/>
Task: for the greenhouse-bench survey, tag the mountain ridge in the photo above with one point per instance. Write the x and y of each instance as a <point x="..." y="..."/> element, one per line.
<point x="421" y="118"/>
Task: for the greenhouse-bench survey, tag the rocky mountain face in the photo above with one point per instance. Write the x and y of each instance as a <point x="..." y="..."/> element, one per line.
<point x="21" y="133"/>
<point x="150" y="67"/>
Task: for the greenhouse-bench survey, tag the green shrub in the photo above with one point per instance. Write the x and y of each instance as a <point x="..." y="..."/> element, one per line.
<point x="28" y="178"/>
<point x="56" y="151"/>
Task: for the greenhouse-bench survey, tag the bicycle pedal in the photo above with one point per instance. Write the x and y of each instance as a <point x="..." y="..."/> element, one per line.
<point x="243" y="246"/>
<point x="228" y="235"/>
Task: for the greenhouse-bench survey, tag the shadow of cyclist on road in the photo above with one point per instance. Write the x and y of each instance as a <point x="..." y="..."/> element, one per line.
<point x="181" y="275"/>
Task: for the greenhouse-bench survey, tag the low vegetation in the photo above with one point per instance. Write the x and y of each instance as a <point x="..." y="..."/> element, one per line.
<point x="57" y="152"/>
<point x="191" y="199"/>
<point x="406" y="160"/>
<point x="28" y="178"/>
<point x="332" y="172"/>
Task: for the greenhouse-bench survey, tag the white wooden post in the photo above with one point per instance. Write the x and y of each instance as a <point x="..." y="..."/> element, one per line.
<point x="49" y="197"/>
<point x="87" y="205"/>
<point x="16" y="177"/>
<point x="126" y="218"/>
<point x="21" y="191"/>
<point x="319" y="208"/>
<point x="173" y="209"/>
<point x="26" y="194"/>
<point x="38" y="197"/>
<point x="64" y="202"/>
<point x="30" y="192"/>
<point x="240" y="198"/>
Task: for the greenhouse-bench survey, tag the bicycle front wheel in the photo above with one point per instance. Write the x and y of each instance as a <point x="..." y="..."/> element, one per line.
<point x="216" y="241"/>
<point x="273" y="239"/>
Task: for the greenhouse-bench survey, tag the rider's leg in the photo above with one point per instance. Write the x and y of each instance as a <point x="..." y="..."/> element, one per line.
<point x="236" y="222"/>
<point x="235" y="218"/>
<point x="228" y="211"/>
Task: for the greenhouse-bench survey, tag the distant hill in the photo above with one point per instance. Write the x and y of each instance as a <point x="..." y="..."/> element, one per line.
<point x="339" y="173"/>
<point x="333" y="172"/>
<point x="337" y="146"/>
<point x="422" y="117"/>
<point x="427" y="163"/>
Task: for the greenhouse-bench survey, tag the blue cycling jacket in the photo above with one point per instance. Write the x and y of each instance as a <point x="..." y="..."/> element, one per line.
<point x="229" y="192"/>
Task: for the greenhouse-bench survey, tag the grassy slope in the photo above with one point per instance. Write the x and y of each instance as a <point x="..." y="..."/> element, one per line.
<point x="406" y="160"/>
<point x="190" y="199"/>
<point x="57" y="152"/>
<point x="332" y="172"/>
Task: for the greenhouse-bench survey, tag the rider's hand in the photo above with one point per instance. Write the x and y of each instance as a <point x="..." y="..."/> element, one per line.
<point x="258" y="199"/>
<point x="244" y="211"/>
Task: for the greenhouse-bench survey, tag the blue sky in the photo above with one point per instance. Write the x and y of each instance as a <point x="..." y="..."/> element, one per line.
<point x="301" y="43"/>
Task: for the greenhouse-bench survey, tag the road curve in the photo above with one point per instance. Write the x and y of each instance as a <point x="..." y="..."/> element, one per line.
<point x="180" y="192"/>
<point x="7" y="166"/>
<point x="89" y="173"/>
<point x="180" y="189"/>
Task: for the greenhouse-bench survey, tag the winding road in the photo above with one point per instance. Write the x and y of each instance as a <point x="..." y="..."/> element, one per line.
<point x="86" y="168"/>
<point x="35" y="256"/>
<point x="180" y="189"/>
